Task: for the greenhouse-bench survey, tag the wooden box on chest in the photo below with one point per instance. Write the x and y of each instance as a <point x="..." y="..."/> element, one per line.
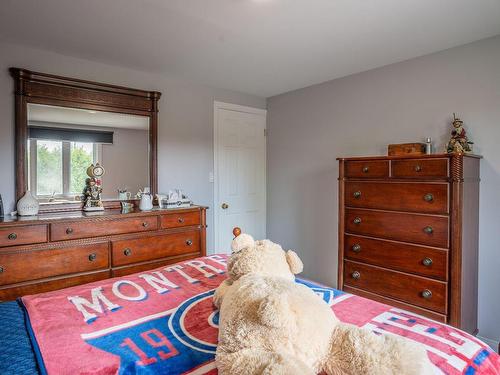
<point x="55" y="251"/>
<point x="408" y="233"/>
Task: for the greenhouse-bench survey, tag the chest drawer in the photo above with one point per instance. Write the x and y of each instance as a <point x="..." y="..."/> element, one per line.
<point x="420" y="260"/>
<point x="367" y="169"/>
<point x="32" y="265"/>
<point x="180" y="219"/>
<point x="23" y="235"/>
<point x="154" y="247"/>
<point x="420" y="291"/>
<point x="422" y="229"/>
<point x="84" y="229"/>
<point x="413" y="197"/>
<point x="420" y="168"/>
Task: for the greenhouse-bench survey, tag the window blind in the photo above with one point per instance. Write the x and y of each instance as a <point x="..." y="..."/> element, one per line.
<point x="72" y="135"/>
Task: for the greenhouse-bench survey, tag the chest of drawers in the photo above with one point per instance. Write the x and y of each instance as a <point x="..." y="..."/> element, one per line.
<point x="408" y="233"/>
<point x="55" y="251"/>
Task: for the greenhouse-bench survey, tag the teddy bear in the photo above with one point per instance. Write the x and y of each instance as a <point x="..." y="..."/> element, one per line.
<point x="269" y="324"/>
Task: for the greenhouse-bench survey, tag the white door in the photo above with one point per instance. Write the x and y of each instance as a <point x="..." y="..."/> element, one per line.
<point x="240" y="173"/>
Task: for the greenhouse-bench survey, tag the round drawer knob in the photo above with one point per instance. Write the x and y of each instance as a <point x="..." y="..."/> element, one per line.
<point x="366" y="169"/>
<point x="145" y="225"/>
<point x="357" y="220"/>
<point x="356" y="275"/>
<point x="2" y="269"/>
<point x="180" y="220"/>
<point x="356" y="248"/>
<point x="418" y="168"/>
<point x="357" y="194"/>
<point x="428" y="230"/>
<point x="12" y="236"/>
<point x="428" y="197"/>
<point x="189" y="242"/>
<point x="127" y="252"/>
<point x="427" y="262"/>
<point x="92" y="257"/>
<point x="427" y="294"/>
<point x="69" y="230"/>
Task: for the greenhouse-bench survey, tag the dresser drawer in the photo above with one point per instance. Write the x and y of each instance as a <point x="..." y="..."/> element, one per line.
<point x="420" y="291"/>
<point x="180" y="219"/>
<point x="147" y="266"/>
<point x="84" y="229"/>
<point x="32" y="265"/>
<point x="420" y="168"/>
<point x="367" y="169"/>
<point x="23" y="235"/>
<point x="412" y="196"/>
<point x="154" y="247"/>
<point x="10" y="293"/>
<point x="420" y="260"/>
<point x="422" y="229"/>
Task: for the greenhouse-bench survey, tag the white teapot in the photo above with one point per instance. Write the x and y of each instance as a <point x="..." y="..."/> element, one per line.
<point x="146" y="202"/>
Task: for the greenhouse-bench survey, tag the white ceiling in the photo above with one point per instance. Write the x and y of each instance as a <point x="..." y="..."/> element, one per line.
<point x="75" y="116"/>
<point x="263" y="47"/>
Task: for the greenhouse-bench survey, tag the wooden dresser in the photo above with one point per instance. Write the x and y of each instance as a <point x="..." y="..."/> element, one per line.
<point x="55" y="251"/>
<point x="408" y="233"/>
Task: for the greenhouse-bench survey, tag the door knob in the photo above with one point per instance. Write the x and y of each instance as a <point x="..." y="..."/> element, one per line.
<point x="225" y="206"/>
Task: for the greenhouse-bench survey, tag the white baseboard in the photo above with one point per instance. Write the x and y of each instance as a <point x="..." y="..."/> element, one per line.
<point x="493" y="344"/>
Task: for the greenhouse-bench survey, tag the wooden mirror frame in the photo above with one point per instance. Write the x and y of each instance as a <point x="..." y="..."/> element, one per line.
<point x="40" y="88"/>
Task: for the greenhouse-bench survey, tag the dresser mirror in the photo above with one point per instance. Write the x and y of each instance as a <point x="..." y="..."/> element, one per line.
<point x="64" y="125"/>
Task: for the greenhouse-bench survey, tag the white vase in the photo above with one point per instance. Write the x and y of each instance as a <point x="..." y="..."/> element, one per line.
<point x="146" y="203"/>
<point x="28" y="205"/>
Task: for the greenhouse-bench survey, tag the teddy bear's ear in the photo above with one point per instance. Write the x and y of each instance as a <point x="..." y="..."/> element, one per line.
<point x="294" y="262"/>
<point x="241" y="242"/>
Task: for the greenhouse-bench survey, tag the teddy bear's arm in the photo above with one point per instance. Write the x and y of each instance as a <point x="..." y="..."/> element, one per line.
<point x="219" y="293"/>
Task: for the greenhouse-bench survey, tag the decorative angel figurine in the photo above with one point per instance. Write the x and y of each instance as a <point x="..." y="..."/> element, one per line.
<point x="458" y="142"/>
<point x="93" y="190"/>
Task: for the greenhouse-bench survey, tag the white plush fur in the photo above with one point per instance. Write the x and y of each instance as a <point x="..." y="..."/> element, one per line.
<point x="271" y="325"/>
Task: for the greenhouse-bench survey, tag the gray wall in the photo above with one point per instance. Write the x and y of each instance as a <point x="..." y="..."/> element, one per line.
<point x="126" y="162"/>
<point x="360" y="115"/>
<point x="185" y="144"/>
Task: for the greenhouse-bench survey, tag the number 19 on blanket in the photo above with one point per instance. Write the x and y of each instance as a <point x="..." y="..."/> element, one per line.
<point x="155" y="339"/>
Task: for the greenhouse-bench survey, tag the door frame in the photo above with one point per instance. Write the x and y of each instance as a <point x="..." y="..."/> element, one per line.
<point x="238" y="108"/>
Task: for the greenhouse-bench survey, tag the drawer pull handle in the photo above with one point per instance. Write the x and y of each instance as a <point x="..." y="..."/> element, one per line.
<point x="69" y="230"/>
<point x="356" y="275"/>
<point x="428" y="197"/>
<point x="180" y="220"/>
<point x="12" y="236"/>
<point x="145" y="225"/>
<point x="357" y="220"/>
<point x="127" y="252"/>
<point x="418" y="168"/>
<point x="356" y="248"/>
<point x="428" y="230"/>
<point x="427" y="294"/>
<point x="427" y="262"/>
<point x="357" y="194"/>
<point x="2" y="269"/>
<point x="92" y="257"/>
<point x="189" y="242"/>
<point x="366" y="169"/>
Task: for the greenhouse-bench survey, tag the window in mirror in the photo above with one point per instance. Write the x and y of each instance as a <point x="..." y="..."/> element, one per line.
<point x="57" y="169"/>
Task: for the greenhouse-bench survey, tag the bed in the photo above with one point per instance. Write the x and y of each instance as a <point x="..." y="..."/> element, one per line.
<point x="163" y="321"/>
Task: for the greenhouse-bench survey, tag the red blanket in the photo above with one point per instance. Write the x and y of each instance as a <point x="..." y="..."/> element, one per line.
<point x="163" y="321"/>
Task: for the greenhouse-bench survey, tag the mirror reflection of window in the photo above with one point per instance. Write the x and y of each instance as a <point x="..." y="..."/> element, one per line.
<point x="60" y="167"/>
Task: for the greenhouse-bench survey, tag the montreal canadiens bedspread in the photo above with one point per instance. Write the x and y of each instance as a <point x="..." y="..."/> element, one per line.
<point x="163" y="322"/>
